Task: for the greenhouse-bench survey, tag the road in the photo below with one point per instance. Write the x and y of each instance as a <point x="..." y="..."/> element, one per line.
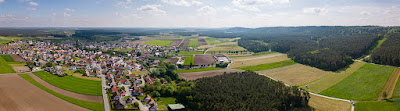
<point x="104" y="91"/>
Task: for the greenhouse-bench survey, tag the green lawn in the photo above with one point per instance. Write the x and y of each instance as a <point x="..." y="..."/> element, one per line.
<point x="188" y="60"/>
<point x="73" y="84"/>
<point x="4" y="67"/>
<point x="89" y="105"/>
<point x="158" y="58"/>
<point x="198" y="70"/>
<point x="190" y="52"/>
<point x="166" y="43"/>
<point x="363" y="85"/>
<point x="16" y="64"/>
<point x="212" y="41"/>
<point x="7" y="58"/>
<point x="376" y="106"/>
<point x="268" y="66"/>
<point x="194" y="43"/>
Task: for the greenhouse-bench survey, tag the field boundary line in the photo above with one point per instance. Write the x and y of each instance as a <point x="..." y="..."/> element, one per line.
<point x="390" y="85"/>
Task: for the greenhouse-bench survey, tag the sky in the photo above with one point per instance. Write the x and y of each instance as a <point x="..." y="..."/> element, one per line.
<point x="198" y="13"/>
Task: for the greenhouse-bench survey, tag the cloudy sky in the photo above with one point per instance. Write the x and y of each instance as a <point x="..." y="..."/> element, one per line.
<point x="197" y="13"/>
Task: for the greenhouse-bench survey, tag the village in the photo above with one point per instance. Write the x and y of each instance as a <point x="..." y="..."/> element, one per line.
<point x="128" y="73"/>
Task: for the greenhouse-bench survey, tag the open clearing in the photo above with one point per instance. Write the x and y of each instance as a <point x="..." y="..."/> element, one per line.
<point x="85" y="77"/>
<point x="196" y="75"/>
<point x="296" y="74"/>
<point x="18" y="94"/>
<point x="73" y="84"/>
<point x="332" y="78"/>
<point x="390" y="85"/>
<point x="166" y="43"/>
<point x="257" y="60"/>
<point x="268" y="66"/>
<point x="376" y="106"/>
<point x="363" y="85"/>
<point x="212" y="41"/>
<point x="324" y="104"/>
<point x="4" y="67"/>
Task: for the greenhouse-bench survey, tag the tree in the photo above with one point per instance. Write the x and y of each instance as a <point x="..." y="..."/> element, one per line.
<point x="138" y="54"/>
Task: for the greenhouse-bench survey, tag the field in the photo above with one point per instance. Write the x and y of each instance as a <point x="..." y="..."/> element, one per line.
<point x="4" y="67"/>
<point x="188" y="61"/>
<point x="257" y="60"/>
<point x="396" y="92"/>
<point x="268" y="66"/>
<point x="196" y="75"/>
<point x="324" y="104"/>
<point x="7" y="58"/>
<point x="363" y="85"/>
<point x="376" y="106"/>
<point x="73" y="84"/>
<point x="18" y="94"/>
<point x="203" y="59"/>
<point x="185" y="43"/>
<point x="198" y="70"/>
<point x="140" y="72"/>
<point x="17" y="58"/>
<point x="389" y="88"/>
<point x="85" y="77"/>
<point x="202" y="42"/>
<point x="212" y="41"/>
<point x="21" y="68"/>
<point x="333" y="78"/>
<point x="96" y="106"/>
<point x="296" y="74"/>
<point x="225" y="49"/>
<point x="194" y="43"/>
<point x="190" y="52"/>
<point x="166" y="43"/>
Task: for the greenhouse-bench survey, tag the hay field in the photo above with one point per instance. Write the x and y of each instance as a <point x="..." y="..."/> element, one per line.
<point x="324" y="104"/>
<point x="257" y="60"/>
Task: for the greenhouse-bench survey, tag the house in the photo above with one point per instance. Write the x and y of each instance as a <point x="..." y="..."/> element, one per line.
<point x="153" y="105"/>
<point x="129" y="100"/>
<point x="147" y="98"/>
<point x="118" y="105"/>
<point x="114" y="89"/>
<point x="131" y="76"/>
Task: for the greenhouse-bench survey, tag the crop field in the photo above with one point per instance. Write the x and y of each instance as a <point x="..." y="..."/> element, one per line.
<point x="268" y="66"/>
<point x="363" y="85"/>
<point x="257" y="60"/>
<point x="212" y="41"/>
<point x="7" y="58"/>
<point x="166" y="43"/>
<point x="190" y="52"/>
<point x="198" y="70"/>
<point x="296" y="74"/>
<point x="4" y="67"/>
<point x="228" y="44"/>
<point x="203" y="59"/>
<point x="396" y="92"/>
<point x="73" y="84"/>
<point x="188" y="61"/>
<point x="226" y="49"/>
<point x="18" y="94"/>
<point x="185" y="43"/>
<point x="332" y="78"/>
<point x="202" y="42"/>
<point x="324" y="104"/>
<point x="196" y="75"/>
<point x="194" y="43"/>
<point x="376" y="106"/>
<point x="17" y="58"/>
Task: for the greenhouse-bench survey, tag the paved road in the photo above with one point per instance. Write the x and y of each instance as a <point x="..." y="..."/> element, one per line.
<point x="105" y="98"/>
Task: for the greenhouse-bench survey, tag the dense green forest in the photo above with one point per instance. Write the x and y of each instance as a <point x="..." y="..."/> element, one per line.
<point x="253" y="45"/>
<point x="389" y="52"/>
<point x="246" y="91"/>
<point x="32" y="32"/>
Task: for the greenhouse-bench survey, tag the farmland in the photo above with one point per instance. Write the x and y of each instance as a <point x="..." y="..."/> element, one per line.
<point x="18" y="94"/>
<point x="96" y="106"/>
<point x="198" y="70"/>
<point x="324" y="104"/>
<point x="268" y="66"/>
<point x="194" y="43"/>
<point x="4" y="67"/>
<point x="202" y="42"/>
<point x="69" y="83"/>
<point x="166" y="43"/>
<point x="188" y="61"/>
<point x="257" y="60"/>
<point x="396" y="92"/>
<point x="190" y="52"/>
<point x="364" y="84"/>
<point x="296" y="74"/>
<point x="197" y="75"/>
<point x="333" y="78"/>
<point x="7" y="58"/>
<point x="212" y="41"/>
<point x="376" y="106"/>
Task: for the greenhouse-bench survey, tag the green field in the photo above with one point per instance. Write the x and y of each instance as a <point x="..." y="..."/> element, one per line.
<point x="73" y="84"/>
<point x="190" y="52"/>
<point x="380" y="42"/>
<point x="7" y="58"/>
<point x="194" y="43"/>
<point x="363" y="85"/>
<point x="4" y="67"/>
<point x="268" y="66"/>
<point x="166" y="43"/>
<point x="188" y="60"/>
<point x="89" y="105"/>
<point x="198" y="70"/>
<point x="212" y="41"/>
<point x="376" y="106"/>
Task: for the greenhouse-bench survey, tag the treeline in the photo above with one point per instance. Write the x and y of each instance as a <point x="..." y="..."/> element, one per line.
<point x="98" y="34"/>
<point x="219" y="34"/>
<point x="389" y="52"/>
<point x="253" y="45"/>
<point x="185" y="33"/>
<point x="31" y="32"/>
<point x="245" y="91"/>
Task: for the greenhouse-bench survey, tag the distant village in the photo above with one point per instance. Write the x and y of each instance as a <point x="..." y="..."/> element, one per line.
<point x="120" y="68"/>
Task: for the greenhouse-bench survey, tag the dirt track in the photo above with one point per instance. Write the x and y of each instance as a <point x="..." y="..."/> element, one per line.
<point x="196" y="75"/>
<point x="83" y="97"/>
<point x="390" y="84"/>
<point x="17" y="94"/>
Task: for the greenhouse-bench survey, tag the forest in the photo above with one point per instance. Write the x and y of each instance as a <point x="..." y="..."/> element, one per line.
<point x="246" y="91"/>
<point x="389" y="52"/>
<point x="32" y="32"/>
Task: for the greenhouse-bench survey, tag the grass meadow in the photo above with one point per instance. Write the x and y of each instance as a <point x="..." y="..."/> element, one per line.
<point x="194" y="43"/>
<point x="188" y="60"/>
<point x="7" y="58"/>
<point x="4" y="67"/>
<point x="166" y="43"/>
<point x="268" y="66"/>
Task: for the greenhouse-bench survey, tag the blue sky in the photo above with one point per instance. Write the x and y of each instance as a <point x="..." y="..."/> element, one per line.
<point x="197" y="13"/>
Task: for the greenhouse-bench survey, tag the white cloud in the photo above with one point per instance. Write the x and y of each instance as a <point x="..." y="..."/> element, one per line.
<point x="70" y="10"/>
<point x="254" y="5"/>
<point x="7" y="16"/>
<point x="317" y="11"/>
<point x="67" y="15"/>
<point x="124" y="3"/>
<point x="182" y="2"/>
<point x="33" y="3"/>
<point x="365" y="13"/>
<point x="54" y="14"/>
<point x="1" y="1"/>
<point x="206" y="11"/>
<point x="152" y="9"/>
<point x="30" y="8"/>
